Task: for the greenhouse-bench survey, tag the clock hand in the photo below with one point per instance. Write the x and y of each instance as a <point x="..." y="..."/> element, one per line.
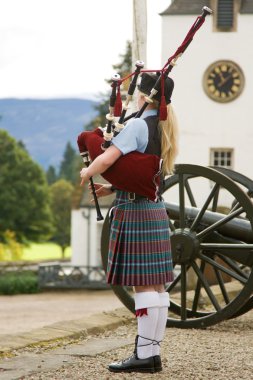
<point x="224" y="80"/>
<point x="221" y="76"/>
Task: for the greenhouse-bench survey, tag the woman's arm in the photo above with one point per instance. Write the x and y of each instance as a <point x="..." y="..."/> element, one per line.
<point x="101" y="163"/>
<point x="133" y="137"/>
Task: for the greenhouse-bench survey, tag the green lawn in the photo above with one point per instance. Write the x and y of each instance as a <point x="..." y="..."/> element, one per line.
<point x="46" y="251"/>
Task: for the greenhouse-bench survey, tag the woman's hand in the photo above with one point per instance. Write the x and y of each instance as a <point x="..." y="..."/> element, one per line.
<point x="84" y="175"/>
<point x="100" y="164"/>
<point x="102" y="189"/>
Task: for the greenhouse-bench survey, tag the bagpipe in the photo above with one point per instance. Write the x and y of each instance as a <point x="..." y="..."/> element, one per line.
<point x="134" y="172"/>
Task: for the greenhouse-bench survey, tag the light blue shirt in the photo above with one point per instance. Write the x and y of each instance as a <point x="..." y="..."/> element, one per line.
<point x="134" y="135"/>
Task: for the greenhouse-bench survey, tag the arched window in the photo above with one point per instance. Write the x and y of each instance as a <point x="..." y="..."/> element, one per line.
<point x="225" y="16"/>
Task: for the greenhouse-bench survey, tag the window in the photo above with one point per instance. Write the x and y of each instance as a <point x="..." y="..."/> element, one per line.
<point x="225" y="15"/>
<point x="221" y="157"/>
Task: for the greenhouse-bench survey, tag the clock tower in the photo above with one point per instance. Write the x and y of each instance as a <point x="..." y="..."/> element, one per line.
<point x="213" y="82"/>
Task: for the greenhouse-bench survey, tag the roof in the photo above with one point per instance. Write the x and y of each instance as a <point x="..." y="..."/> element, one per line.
<point x="194" y="7"/>
<point x="185" y="7"/>
<point x="247" y="6"/>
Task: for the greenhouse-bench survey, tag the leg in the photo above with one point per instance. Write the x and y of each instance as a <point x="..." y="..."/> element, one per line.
<point x="162" y="320"/>
<point x="146" y="305"/>
<point x="159" y="327"/>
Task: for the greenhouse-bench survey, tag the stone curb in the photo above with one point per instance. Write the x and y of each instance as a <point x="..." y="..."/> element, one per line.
<point x="91" y="325"/>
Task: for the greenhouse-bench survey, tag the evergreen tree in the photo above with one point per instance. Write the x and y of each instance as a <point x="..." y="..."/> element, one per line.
<point x="69" y="165"/>
<point x="24" y="198"/>
<point x="100" y="119"/>
<point x="51" y="175"/>
<point x="61" y="200"/>
<point x="22" y="145"/>
<point x="123" y="68"/>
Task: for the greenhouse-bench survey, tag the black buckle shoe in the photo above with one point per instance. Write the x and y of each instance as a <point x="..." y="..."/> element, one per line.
<point x="133" y="364"/>
<point x="157" y="363"/>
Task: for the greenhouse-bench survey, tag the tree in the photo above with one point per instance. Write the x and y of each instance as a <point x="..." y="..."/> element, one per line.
<point x="61" y="199"/>
<point x="123" y="69"/>
<point x="70" y="164"/>
<point x="51" y="175"/>
<point x="10" y="249"/>
<point x="22" y="145"/>
<point x="102" y="109"/>
<point x="24" y="198"/>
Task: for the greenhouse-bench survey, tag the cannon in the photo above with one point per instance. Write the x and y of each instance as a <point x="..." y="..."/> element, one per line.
<point x="211" y="228"/>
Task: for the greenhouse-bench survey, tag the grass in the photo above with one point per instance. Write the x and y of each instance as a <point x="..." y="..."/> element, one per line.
<point x="45" y="251"/>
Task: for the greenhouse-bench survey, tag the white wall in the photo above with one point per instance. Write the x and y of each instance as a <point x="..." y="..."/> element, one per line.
<point x="85" y="237"/>
<point x="78" y="238"/>
<point x="204" y="123"/>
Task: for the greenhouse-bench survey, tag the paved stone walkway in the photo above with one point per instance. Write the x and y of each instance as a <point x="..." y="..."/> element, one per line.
<point x="36" y="361"/>
<point x="82" y="349"/>
<point x="24" y="312"/>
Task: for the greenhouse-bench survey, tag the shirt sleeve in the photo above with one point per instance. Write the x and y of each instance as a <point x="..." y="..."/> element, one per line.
<point x="133" y="137"/>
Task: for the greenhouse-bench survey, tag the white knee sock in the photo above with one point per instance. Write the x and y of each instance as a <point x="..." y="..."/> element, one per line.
<point x="161" y="323"/>
<point x="146" y="322"/>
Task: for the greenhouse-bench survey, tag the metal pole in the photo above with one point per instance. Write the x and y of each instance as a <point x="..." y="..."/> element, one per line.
<point x="139" y="43"/>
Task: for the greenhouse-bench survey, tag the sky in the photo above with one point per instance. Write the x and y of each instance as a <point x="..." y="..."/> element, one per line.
<point x="66" y="48"/>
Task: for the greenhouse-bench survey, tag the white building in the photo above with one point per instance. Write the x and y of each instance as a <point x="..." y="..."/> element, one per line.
<point x="213" y="82"/>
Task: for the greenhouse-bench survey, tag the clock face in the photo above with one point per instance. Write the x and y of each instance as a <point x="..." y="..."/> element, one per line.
<point x="223" y="81"/>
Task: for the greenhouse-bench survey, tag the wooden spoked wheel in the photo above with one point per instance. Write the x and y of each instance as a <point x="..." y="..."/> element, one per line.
<point x="211" y="228"/>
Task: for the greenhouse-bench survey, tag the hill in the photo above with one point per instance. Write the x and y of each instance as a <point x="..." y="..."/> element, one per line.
<point x="46" y="125"/>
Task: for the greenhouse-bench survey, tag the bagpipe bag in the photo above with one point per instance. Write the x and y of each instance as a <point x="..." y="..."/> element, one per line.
<point x="134" y="172"/>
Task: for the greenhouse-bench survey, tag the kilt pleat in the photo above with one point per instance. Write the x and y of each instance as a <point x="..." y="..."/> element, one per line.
<point x="139" y="248"/>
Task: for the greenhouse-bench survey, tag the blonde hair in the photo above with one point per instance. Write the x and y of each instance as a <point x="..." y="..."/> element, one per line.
<point x="169" y="136"/>
<point x="169" y="140"/>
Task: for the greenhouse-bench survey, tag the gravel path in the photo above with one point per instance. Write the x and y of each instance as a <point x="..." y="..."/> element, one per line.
<point x="224" y="351"/>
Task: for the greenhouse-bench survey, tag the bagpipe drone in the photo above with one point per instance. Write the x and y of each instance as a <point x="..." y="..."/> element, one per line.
<point x="134" y="172"/>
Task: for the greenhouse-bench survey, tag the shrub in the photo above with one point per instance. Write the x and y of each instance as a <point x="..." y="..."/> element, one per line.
<point x="10" y="249"/>
<point x="19" y="283"/>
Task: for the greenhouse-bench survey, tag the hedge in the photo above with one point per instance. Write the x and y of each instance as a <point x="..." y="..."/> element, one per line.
<point x="19" y="283"/>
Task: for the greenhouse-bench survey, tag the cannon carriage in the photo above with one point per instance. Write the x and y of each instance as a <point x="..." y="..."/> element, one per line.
<point x="211" y="228"/>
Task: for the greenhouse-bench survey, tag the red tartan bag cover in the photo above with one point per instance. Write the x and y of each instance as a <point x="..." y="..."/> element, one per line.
<point x="134" y="172"/>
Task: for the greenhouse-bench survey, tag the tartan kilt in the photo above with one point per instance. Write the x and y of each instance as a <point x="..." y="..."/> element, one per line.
<point x="139" y="247"/>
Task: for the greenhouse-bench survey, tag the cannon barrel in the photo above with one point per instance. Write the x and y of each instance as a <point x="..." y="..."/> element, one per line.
<point x="237" y="228"/>
<point x="234" y="237"/>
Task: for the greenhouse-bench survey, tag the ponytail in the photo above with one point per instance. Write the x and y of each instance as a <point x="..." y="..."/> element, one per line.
<point x="169" y="140"/>
<point x="169" y="137"/>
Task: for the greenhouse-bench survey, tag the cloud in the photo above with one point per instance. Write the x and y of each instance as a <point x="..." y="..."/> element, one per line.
<point x="16" y="43"/>
<point x="52" y="48"/>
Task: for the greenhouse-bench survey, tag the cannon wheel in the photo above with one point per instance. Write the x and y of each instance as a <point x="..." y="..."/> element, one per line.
<point x="193" y="251"/>
<point x="242" y="268"/>
<point x="247" y="185"/>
